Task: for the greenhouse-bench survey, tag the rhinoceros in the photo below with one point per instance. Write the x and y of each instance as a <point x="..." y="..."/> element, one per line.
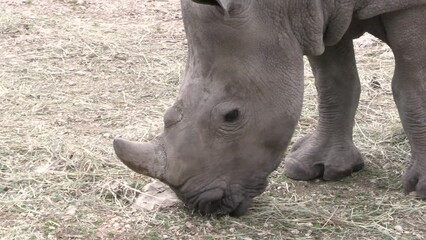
<point x="242" y="91"/>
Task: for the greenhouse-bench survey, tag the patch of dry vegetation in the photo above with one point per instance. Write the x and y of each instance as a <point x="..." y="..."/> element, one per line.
<point x="74" y="74"/>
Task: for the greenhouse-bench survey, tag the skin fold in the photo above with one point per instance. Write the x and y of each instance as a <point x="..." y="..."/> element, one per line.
<point x="242" y="94"/>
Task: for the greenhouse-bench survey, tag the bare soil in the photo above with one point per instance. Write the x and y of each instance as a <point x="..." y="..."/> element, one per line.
<point x="76" y="73"/>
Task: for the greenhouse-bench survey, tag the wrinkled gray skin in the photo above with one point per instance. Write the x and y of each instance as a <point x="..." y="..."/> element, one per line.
<point x="242" y="96"/>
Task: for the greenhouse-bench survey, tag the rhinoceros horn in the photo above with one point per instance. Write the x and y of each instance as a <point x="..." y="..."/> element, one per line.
<point x="145" y="158"/>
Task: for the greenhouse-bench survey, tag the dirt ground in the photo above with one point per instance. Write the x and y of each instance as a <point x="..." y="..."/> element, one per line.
<point x="76" y="73"/>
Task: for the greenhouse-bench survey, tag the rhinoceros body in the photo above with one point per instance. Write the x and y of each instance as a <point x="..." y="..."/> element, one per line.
<point x="242" y="95"/>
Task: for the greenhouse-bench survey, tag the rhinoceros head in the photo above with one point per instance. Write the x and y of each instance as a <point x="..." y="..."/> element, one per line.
<point x="237" y="108"/>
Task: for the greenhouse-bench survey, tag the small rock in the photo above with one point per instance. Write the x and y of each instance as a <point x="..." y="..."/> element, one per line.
<point x="80" y="73"/>
<point x="387" y="166"/>
<point x="209" y="225"/>
<point x="188" y="225"/>
<point x="399" y="228"/>
<point x="308" y="233"/>
<point x="42" y="169"/>
<point x="92" y="55"/>
<point x="305" y="224"/>
<point x="295" y="231"/>
<point x="366" y="42"/>
<point x="121" y="56"/>
<point x="156" y="195"/>
<point x="71" y="211"/>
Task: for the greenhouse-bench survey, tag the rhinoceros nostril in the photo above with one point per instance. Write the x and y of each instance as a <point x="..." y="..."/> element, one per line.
<point x="210" y="201"/>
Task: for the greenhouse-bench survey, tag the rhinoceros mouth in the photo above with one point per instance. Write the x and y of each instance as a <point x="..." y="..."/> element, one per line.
<point x="223" y="205"/>
<point x="233" y="199"/>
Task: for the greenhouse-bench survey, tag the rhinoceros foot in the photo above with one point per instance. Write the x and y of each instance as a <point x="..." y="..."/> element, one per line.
<point x="415" y="179"/>
<point x="318" y="157"/>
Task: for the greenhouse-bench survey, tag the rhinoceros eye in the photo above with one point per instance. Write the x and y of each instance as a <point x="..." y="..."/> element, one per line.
<point x="232" y="116"/>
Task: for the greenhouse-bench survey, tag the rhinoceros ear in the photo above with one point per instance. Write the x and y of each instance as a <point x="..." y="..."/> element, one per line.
<point x="225" y="4"/>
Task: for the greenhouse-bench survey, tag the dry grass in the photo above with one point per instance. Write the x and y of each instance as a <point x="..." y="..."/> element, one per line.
<point x="74" y="74"/>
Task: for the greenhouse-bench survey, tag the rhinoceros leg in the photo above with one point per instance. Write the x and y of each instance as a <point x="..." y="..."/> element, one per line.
<point x="406" y="33"/>
<point x="329" y="151"/>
